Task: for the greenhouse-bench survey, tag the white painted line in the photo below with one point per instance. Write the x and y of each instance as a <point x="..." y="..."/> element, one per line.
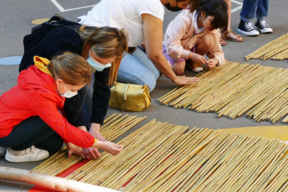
<point x="72" y="9"/>
<point x="237" y="2"/>
<point x="65" y="10"/>
<point x="58" y="5"/>
<point x="236" y="9"/>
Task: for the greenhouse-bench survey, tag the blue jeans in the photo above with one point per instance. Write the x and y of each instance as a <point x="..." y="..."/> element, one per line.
<point x="138" y="69"/>
<point x="250" y="7"/>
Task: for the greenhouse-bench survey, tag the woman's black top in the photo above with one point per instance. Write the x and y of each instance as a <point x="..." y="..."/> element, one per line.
<point x="53" y="40"/>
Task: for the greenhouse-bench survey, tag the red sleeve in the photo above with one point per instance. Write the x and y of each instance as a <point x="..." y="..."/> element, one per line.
<point x="46" y="109"/>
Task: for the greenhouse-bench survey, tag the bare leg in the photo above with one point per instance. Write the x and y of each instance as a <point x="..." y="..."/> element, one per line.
<point x="230" y="35"/>
<point x="179" y="67"/>
<point x="205" y="44"/>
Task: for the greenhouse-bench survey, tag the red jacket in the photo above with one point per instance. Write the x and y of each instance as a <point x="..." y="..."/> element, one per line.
<point x="36" y="95"/>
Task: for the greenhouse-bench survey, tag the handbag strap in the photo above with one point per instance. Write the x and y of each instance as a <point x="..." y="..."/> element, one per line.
<point x="125" y="94"/>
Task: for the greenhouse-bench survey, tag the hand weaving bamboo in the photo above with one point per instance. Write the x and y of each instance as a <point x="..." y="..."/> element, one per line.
<point x="234" y="89"/>
<point x="111" y="129"/>
<point x="165" y="157"/>
<point x="277" y="48"/>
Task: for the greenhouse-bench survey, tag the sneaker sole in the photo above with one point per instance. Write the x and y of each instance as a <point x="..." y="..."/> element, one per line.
<point x="197" y="69"/>
<point x="252" y="33"/>
<point x="18" y="160"/>
<point x="266" y="30"/>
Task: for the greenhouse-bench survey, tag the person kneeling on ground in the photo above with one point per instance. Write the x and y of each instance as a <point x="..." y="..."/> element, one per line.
<point x="31" y="124"/>
<point x="193" y="34"/>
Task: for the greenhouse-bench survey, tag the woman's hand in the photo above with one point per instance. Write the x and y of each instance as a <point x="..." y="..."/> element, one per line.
<point x="212" y="63"/>
<point x="182" y="80"/>
<point x="196" y="58"/>
<point x="72" y="149"/>
<point x="95" y="131"/>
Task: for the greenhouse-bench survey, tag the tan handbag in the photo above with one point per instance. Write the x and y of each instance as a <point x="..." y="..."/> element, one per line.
<point x="129" y="97"/>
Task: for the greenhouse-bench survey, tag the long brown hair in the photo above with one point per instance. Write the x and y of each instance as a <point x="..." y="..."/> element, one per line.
<point x="71" y="68"/>
<point x="105" y="42"/>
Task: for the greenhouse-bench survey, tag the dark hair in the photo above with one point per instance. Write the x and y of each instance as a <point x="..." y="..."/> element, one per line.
<point x="216" y="8"/>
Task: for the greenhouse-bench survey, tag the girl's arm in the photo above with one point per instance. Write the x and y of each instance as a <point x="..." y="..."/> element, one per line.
<point x="153" y="34"/>
<point x="48" y="112"/>
<point x="175" y="32"/>
<point x="216" y="52"/>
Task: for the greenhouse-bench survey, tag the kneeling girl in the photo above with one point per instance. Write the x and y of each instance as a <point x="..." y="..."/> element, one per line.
<point x="193" y="34"/>
<point x="31" y="124"/>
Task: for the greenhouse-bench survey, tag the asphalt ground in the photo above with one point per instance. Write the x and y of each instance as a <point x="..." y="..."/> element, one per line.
<point x="15" y="22"/>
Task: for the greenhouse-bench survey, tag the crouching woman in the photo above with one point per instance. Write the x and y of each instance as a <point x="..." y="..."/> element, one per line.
<point x="31" y="122"/>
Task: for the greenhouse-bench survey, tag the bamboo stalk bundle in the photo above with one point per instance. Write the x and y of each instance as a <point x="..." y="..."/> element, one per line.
<point x="164" y="157"/>
<point x="277" y="48"/>
<point x="235" y="89"/>
<point x="111" y="129"/>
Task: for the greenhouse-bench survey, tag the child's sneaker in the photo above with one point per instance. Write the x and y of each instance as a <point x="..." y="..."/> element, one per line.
<point x="247" y="28"/>
<point x="26" y="155"/>
<point x="262" y="26"/>
<point x="2" y="151"/>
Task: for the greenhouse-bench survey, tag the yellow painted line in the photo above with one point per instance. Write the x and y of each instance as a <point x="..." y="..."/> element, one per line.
<point x="39" y="21"/>
<point x="277" y="132"/>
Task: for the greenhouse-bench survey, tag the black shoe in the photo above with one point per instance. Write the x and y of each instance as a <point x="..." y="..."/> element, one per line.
<point x="247" y="28"/>
<point x="262" y="26"/>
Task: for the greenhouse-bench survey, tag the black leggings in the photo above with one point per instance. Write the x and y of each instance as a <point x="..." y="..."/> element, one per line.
<point x="33" y="131"/>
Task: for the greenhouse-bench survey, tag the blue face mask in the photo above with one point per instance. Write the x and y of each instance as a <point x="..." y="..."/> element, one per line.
<point x="96" y="65"/>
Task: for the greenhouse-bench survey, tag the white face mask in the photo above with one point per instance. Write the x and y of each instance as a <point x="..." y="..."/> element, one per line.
<point x="68" y="94"/>
<point x="96" y="65"/>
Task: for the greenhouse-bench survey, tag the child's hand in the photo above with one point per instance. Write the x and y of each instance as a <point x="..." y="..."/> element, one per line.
<point x="211" y="63"/>
<point x="112" y="148"/>
<point x="199" y="59"/>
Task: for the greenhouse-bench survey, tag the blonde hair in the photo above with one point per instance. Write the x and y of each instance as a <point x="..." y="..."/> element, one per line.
<point x="105" y="42"/>
<point x="71" y="68"/>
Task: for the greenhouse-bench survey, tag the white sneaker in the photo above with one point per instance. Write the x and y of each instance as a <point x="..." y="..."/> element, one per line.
<point x="2" y="151"/>
<point x="30" y="154"/>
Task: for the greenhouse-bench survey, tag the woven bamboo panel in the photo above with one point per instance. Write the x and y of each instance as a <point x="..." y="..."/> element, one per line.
<point x="113" y="127"/>
<point x="234" y="89"/>
<point x="165" y="157"/>
<point x="276" y="50"/>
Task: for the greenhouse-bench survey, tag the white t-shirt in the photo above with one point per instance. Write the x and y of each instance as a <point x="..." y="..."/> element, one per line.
<point x="124" y="14"/>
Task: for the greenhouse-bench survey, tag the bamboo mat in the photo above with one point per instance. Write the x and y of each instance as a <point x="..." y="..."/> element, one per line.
<point x="164" y="157"/>
<point x="234" y="89"/>
<point x="276" y="50"/>
<point x="113" y="127"/>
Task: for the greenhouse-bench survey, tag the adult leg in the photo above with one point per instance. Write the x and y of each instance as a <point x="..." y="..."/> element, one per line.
<point x="248" y="10"/>
<point x="30" y="132"/>
<point x="86" y="94"/>
<point x="229" y="34"/>
<point x="261" y="14"/>
<point x="262" y="9"/>
<point x="142" y="57"/>
<point x="134" y="71"/>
